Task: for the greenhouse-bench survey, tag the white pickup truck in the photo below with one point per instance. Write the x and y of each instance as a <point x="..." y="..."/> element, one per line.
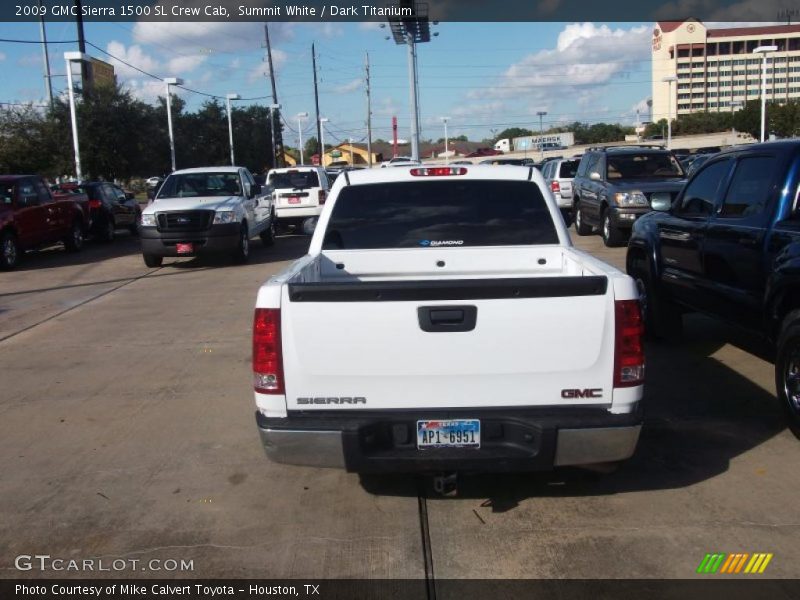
<point x="442" y="322"/>
<point x="206" y="210"/>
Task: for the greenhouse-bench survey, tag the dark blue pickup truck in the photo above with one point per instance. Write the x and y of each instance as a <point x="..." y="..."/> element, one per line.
<point x="729" y="246"/>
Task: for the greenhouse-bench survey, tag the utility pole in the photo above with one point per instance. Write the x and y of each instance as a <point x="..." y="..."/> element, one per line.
<point x="316" y="102"/>
<point x="277" y="159"/>
<point x="85" y="83"/>
<point x="46" y="57"/>
<point x="369" y="118"/>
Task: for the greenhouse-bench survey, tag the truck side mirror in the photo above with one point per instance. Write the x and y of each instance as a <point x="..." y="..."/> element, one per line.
<point x="594" y="176"/>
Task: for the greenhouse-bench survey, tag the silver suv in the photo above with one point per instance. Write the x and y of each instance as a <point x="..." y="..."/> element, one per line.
<point x="559" y="174"/>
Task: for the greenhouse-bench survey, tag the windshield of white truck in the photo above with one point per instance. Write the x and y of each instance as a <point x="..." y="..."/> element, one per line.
<point x="189" y="185"/>
<point x="439" y="214"/>
<point x="295" y="180"/>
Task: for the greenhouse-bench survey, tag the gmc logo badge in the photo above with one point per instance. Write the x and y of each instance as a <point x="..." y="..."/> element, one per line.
<point x="585" y="393"/>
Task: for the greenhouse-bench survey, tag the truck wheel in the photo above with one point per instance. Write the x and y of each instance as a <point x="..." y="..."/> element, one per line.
<point x="612" y="236"/>
<point x="787" y="370"/>
<point x="268" y="236"/>
<point x="662" y="319"/>
<point x="9" y="258"/>
<point x="109" y="230"/>
<point x="152" y="261"/>
<point x="581" y="227"/>
<point x="74" y="241"/>
<point x="242" y="252"/>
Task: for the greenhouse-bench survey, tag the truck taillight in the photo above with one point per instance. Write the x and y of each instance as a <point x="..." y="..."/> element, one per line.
<point x="94" y="203"/>
<point x="628" y="347"/>
<point x="438" y="171"/>
<point x="323" y="195"/>
<point x="267" y="355"/>
<point x="556" y="187"/>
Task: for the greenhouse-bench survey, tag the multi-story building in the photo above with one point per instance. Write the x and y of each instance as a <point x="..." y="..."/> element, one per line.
<point x="716" y="69"/>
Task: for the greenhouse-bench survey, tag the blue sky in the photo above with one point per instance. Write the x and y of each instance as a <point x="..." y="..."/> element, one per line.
<point x="483" y="76"/>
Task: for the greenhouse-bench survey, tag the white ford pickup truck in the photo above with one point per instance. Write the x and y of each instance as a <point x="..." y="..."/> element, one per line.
<point x="206" y="210"/>
<point x="442" y="322"/>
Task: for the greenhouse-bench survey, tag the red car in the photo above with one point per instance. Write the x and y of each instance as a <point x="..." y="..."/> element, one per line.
<point x="31" y="216"/>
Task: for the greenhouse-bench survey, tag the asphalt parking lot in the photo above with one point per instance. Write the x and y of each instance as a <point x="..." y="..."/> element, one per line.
<point x="127" y="432"/>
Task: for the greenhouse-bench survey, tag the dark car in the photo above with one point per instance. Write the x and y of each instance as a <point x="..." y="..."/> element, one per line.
<point x="729" y="246"/>
<point x="520" y="162"/>
<point x="111" y="209"/>
<point x="615" y="185"/>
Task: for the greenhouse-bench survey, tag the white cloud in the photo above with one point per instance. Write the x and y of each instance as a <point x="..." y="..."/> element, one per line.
<point x="2" y="56"/>
<point x="147" y="90"/>
<point x="585" y="55"/>
<point x="211" y="37"/>
<point x="347" y="88"/>
<point x="185" y="64"/>
<point x="279" y="58"/>
<point x="133" y="55"/>
<point x="34" y="59"/>
<point x="369" y="25"/>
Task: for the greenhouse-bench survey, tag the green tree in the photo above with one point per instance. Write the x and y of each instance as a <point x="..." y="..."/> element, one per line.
<point x="513" y="132"/>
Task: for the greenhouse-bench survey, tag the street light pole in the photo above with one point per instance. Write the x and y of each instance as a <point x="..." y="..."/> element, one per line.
<point x="168" y="82"/>
<point x="300" y="117"/>
<point x="272" y="132"/>
<point x="764" y="50"/>
<point x="228" y="99"/>
<point x="670" y="79"/>
<point x="446" y="139"/>
<point x="541" y="114"/>
<point x="322" y="141"/>
<point x="69" y="57"/>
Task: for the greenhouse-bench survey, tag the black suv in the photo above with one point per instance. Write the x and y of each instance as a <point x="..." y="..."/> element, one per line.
<point x="614" y="186"/>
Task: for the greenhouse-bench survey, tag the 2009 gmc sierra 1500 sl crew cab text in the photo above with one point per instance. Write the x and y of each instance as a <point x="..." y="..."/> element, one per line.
<point x="442" y="321"/>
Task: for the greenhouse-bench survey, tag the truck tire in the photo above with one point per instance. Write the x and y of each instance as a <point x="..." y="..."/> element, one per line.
<point x="787" y="370"/>
<point x="268" y="236"/>
<point x="74" y="241"/>
<point x="242" y="252"/>
<point x="152" y="260"/>
<point x="581" y="227"/>
<point x="10" y="252"/>
<point x="612" y="236"/>
<point x="662" y="319"/>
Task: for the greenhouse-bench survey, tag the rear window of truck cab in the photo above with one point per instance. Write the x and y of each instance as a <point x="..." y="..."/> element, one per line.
<point x="295" y="180"/>
<point x="430" y="214"/>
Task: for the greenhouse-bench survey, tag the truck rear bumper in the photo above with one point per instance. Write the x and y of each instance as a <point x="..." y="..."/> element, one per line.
<point x="511" y="442"/>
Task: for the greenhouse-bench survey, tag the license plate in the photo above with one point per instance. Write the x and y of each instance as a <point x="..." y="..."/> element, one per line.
<point x="458" y="433"/>
<point x="294" y="200"/>
<point x="184" y="248"/>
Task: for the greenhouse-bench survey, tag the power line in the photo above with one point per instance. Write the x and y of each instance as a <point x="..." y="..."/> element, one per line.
<point x="9" y="41"/>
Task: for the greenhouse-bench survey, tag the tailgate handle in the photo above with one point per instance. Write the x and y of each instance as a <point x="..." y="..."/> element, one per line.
<point x="447" y="318"/>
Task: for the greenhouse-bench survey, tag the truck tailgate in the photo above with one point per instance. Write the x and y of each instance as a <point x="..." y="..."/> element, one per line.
<point x="535" y="341"/>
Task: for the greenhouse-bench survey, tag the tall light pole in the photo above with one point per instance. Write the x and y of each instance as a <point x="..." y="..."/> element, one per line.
<point x="69" y="58"/>
<point x="300" y="117"/>
<point x="411" y="30"/>
<point x="670" y="79"/>
<point x="446" y="139"/>
<point x="168" y="82"/>
<point x="322" y="140"/>
<point x="228" y="98"/>
<point x="541" y="113"/>
<point x="764" y="50"/>
<point x="273" y="107"/>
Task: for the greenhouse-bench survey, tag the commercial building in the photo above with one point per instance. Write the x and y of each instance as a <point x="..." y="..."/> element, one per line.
<point x="716" y="69"/>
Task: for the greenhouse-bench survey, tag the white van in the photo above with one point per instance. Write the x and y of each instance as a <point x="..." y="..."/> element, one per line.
<point x="299" y="193"/>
